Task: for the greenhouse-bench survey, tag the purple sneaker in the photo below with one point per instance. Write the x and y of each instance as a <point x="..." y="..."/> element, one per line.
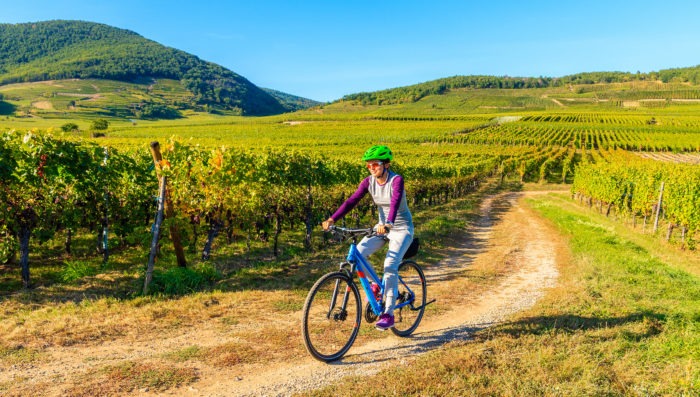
<point x="385" y="322"/>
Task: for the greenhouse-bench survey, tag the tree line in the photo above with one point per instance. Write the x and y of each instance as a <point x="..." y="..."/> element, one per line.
<point x="415" y="92"/>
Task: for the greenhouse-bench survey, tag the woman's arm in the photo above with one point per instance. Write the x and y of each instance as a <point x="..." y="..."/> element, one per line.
<point x="397" y="187"/>
<point x="351" y="202"/>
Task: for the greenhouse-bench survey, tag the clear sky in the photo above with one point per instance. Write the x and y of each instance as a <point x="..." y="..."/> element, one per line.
<point x="326" y="49"/>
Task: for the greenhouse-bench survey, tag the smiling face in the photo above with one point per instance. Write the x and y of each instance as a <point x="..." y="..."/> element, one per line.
<point x="376" y="168"/>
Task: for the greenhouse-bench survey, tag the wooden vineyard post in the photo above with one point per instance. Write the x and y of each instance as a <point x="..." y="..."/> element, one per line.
<point x="169" y="212"/>
<point x="658" y="207"/>
<point x="156" y="236"/>
<point x="105" y="219"/>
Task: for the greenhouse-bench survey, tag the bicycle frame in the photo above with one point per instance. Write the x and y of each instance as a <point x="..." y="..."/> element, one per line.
<point x="363" y="269"/>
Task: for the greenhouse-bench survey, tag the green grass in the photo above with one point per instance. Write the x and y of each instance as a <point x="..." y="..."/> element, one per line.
<point x="185" y="354"/>
<point x="74" y="270"/>
<point x="622" y="322"/>
<point x="184" y="280"/>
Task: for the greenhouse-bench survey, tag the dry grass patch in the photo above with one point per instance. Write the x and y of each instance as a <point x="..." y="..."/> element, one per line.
<point x="23" y="387"/>
<point x="44" y="105"/>
<point x="236" y="353"/>
<point x="130" y="377"/>
<point x="94" y="321"/>
<point x="18" y="355"/>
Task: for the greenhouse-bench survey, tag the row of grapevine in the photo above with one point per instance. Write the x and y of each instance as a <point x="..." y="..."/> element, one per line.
<point x="580" y="136"/>
<point x="588" y="119"/>
<point x="631" y="185"/>
<point x="269" y="191"/>
<point x="50" y="185"/>
<point x="652" y="94"/>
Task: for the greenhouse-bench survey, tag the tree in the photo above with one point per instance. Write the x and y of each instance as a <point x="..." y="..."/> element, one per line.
<point x="99" y="125"/>
<point x="70" y="127"/>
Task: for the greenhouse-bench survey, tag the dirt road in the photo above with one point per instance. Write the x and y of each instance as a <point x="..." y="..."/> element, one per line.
<point x="505" y="231"/>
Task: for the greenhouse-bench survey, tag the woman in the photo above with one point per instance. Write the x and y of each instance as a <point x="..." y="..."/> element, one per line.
<point x="387" y="190"/>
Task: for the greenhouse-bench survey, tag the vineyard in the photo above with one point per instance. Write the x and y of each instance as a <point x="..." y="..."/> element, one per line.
<point x="266" y="183"/>
<point x="52" y="185"/>
<point x="636" y="187"/>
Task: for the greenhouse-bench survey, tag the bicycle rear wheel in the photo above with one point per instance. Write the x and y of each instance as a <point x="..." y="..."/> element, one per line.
<point x="412" y="289"/>
<point x="332" y="316"/>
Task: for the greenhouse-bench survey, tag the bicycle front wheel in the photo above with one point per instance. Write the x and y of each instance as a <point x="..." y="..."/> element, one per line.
<point x="410" y="301"/>
<point x="331" y="318"/>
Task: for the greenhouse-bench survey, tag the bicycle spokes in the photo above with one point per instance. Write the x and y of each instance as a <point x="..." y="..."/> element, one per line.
<point x="331" y="318"/>
<point x="410" y="303"/>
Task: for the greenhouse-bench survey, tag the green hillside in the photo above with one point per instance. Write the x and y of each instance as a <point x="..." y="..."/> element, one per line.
<point x="90" y="98"/>
<point x="64" y="50"/>
<point x="292" y="102"/>
<point x="584" y="82"/>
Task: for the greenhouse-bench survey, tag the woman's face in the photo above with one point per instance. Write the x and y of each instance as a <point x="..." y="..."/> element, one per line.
<point x="376" y="168"/>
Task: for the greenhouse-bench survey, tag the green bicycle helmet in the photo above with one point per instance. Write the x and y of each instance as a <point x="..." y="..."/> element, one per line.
<point x="378" y="152"/>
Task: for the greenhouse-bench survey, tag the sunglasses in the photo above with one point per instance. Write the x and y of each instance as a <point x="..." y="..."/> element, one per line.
<point x="374" y="164"/>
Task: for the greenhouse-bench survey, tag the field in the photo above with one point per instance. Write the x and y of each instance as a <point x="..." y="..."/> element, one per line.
<point x="86" y="99"/>
<point x="250" y="193"/>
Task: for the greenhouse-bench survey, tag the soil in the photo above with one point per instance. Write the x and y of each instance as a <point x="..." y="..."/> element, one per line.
<point x="45" y="105"/>
<point x="506" y="231"/>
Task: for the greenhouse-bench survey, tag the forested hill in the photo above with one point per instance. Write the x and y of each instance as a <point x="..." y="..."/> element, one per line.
<point x="55" y="50"/>
<point x="292" y="102"/>
<point x="415" y="92"/>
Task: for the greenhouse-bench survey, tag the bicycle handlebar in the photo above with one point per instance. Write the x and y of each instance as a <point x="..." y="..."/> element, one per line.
<point x="346" y="233"/>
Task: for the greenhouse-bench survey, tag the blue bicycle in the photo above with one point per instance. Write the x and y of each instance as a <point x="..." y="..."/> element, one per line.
<point x="333" y="308"/>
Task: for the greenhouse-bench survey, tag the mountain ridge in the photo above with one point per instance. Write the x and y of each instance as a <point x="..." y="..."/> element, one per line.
<point x="61" y="49"/>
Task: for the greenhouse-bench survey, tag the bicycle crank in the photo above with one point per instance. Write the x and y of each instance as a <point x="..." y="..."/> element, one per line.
<point x="370" y="317"/>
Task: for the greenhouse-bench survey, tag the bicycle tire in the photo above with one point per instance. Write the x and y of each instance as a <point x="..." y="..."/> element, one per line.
<point x="328" y="329"/>
<point x="407" y="318"/>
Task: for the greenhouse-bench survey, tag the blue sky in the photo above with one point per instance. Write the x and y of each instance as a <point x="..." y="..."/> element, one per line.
<point x="326" y="49"/>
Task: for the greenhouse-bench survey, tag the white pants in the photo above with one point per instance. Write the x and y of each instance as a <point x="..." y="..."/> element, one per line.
<point x="399" y="241"/>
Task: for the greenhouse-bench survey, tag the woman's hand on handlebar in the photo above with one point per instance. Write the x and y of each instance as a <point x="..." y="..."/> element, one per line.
<point x="327" y="223"/>
<point x="383" y="229"/>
